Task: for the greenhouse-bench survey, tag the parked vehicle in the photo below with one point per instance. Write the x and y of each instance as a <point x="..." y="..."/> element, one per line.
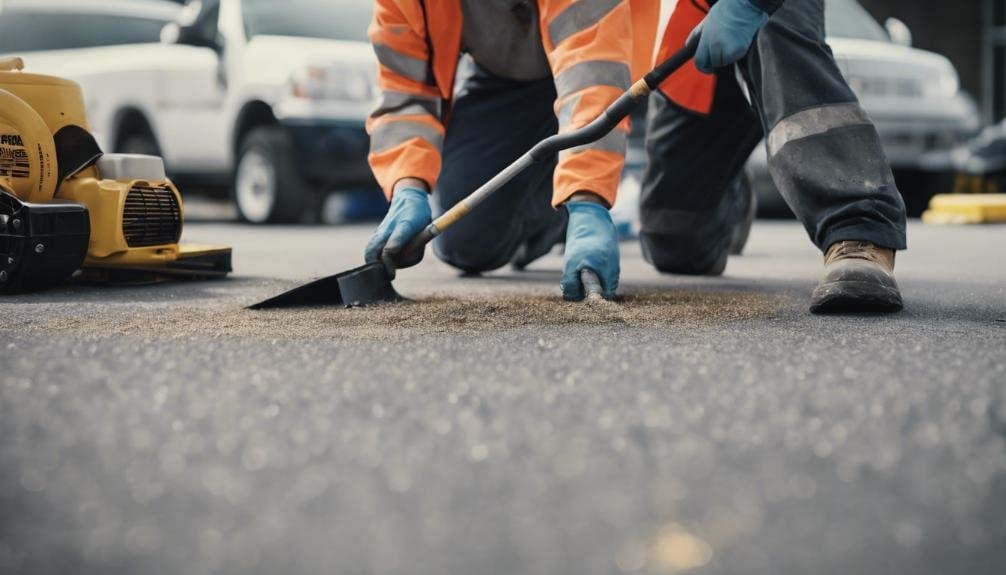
<point x="103" y="45"/>
<point x="979" y="165"/>
<point x="286" y="89"/>
<point x="36" y="26"/>
<point x="267" y="97"/>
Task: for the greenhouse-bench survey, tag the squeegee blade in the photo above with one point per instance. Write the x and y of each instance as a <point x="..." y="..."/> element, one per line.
<point x="364" y="286"/>
<point x="319" y="292"/>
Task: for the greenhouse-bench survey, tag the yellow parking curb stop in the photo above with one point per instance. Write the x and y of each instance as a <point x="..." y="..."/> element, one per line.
<point x="950" y="209"/>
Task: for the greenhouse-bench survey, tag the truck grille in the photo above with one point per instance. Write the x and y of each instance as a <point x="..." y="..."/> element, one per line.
<point x="870" y="86"/>
<point x="152" y="217"/>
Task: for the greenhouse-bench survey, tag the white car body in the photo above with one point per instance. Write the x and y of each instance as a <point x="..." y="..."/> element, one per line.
<point x="913" y="96"/>
<point x="117" y="80"/>
<point x="113" y="77"/>
<point x="198" y="100"/>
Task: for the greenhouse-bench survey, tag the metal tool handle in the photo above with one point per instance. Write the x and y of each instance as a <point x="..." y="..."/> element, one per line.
<point x="548" y="147"/>
<point x="592" y="288"/>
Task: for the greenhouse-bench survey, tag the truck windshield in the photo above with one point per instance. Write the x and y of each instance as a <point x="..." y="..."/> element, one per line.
<point x="848" y="19"/>
<point x="25" y="31"/>
<point x="329" y="19"/>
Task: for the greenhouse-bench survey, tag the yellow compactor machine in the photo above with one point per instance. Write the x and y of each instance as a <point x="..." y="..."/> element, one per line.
<point x="65" y="207"/>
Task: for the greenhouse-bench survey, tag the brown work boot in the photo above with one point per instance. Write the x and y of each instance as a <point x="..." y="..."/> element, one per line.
<point x="858" y="277"/>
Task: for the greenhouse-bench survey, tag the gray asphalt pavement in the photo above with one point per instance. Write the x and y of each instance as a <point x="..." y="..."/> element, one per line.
<point x="702" y="425"/>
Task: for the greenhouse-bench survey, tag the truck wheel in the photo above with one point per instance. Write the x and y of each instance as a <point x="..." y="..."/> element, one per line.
<point x="268" y="188"/>
<point x="742" y="231"/>
<point x="139" y="143"/>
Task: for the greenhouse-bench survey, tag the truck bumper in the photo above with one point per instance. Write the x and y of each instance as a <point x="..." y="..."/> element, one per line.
<point x="332" y="154"/>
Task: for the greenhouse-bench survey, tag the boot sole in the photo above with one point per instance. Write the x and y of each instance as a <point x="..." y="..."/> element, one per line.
<point x="855" y="297"/>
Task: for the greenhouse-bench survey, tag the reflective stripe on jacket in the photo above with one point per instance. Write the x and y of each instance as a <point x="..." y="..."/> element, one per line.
<point x="595" y="48"/>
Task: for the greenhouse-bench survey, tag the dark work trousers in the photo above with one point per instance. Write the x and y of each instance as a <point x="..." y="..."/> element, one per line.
<point x="824" y="153"/>
<point x="494" y="121"/>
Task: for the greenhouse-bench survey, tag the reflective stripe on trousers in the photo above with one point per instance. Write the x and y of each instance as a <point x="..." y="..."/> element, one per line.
<point x="815" y="122"/>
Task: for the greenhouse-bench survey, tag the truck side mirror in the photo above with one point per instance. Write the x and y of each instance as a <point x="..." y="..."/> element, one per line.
<point x="170" y="33"/>
<point x="189" y="36"/>
<point x="899" y="32"/>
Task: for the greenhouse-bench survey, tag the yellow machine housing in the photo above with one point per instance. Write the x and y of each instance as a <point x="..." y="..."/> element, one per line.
<point x="47" y="155"/>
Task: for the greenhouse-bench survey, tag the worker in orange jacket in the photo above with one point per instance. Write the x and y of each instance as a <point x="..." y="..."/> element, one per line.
<point x="537" y="67"/>
<point x="765" y="72"/>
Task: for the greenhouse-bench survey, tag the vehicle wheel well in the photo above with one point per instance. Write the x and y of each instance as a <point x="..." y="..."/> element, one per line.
<point x="130" y="122"/>
<point x="253" y="115"/>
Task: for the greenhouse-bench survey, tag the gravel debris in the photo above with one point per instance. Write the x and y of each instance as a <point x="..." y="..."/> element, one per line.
<point x="435" y="314"/>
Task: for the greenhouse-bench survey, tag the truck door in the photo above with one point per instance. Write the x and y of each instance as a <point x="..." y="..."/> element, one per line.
<point x="194" y="89"/>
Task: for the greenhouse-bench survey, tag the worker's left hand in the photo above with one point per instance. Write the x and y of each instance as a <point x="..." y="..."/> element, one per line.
<point x="591" y="243"/>
<point x="727" y="33"/>
<point x="409" y="214"/>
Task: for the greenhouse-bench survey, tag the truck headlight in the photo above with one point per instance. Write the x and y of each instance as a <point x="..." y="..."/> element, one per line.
<point x="944" y="84"/>
<point x="337" y="83"/>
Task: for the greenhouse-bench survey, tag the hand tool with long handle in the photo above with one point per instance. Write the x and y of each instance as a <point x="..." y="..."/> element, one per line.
<point x="592" y="288"/>
<point x="371" y="283"/>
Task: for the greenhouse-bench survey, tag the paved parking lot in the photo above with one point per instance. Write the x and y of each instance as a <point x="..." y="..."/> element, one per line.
<point x="702" y="425"/>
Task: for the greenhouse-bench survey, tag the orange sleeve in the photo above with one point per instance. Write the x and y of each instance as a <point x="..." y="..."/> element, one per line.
<point x="645" y="22"/>
<point x="591" y="49"/>
<point x="406" y="132"/>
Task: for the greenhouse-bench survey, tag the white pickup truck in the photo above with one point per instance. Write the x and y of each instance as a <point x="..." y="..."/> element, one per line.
<point x="268" y="97"/>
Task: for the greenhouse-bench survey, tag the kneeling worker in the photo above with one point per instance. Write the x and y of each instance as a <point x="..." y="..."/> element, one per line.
<point x="824" y="153"/>
<point x="541" y="66"/>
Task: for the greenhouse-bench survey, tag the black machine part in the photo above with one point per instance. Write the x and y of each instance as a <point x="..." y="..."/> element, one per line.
<point x="41" y="245"/>
<point x="205" y="264"/>
<point x="76" y="150"/>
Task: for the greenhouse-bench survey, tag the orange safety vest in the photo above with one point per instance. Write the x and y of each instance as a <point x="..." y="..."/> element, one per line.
<point x="687" y="87"/>
<point x="596" y="49"/>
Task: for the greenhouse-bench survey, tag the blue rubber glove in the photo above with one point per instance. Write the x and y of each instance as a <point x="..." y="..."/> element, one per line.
<point x="409" y="214"/>
<point x="727" y="33"/>
<point x="591" y="243"/>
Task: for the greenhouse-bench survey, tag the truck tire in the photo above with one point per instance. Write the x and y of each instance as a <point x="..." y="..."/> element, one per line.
<point x="139" y="141"/>
<point x="268" y="188"/>
<point x="742" y="231"/>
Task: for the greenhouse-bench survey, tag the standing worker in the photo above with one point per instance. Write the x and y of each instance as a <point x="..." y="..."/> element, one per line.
<point x="541" y="66"/>
<point x="824" y="153"/>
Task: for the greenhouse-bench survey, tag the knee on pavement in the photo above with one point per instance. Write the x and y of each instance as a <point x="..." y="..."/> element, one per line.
<point x="472" y="250"/>
<point x="685" y="255"/>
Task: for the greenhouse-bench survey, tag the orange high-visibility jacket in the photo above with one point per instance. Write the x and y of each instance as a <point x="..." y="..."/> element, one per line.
<point x="596" y="48"/>
<point x="687" y="87"/>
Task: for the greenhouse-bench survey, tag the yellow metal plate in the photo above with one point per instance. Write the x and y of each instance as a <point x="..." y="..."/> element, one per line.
<point x="196" y="250"/>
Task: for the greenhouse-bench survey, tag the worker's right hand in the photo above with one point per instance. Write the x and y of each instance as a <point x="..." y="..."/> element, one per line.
<point x="727" y="33"/>
<point x="409" y="214"/>
<point x="591" y="243"/>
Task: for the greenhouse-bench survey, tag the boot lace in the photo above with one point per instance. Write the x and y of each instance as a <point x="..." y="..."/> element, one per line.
<point x="856" y="250"/>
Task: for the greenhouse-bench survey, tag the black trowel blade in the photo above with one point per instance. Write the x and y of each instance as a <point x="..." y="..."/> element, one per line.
<point x="365" y="285"/>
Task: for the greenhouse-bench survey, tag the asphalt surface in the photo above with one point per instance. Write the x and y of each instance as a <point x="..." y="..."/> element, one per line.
<point x="703" y="425"/>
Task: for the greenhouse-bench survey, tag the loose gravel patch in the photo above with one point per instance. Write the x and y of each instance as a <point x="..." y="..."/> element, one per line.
<point x="436" y="314"/>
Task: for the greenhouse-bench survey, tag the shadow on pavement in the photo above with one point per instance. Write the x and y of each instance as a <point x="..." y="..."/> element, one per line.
<point x="93" y="293"/>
